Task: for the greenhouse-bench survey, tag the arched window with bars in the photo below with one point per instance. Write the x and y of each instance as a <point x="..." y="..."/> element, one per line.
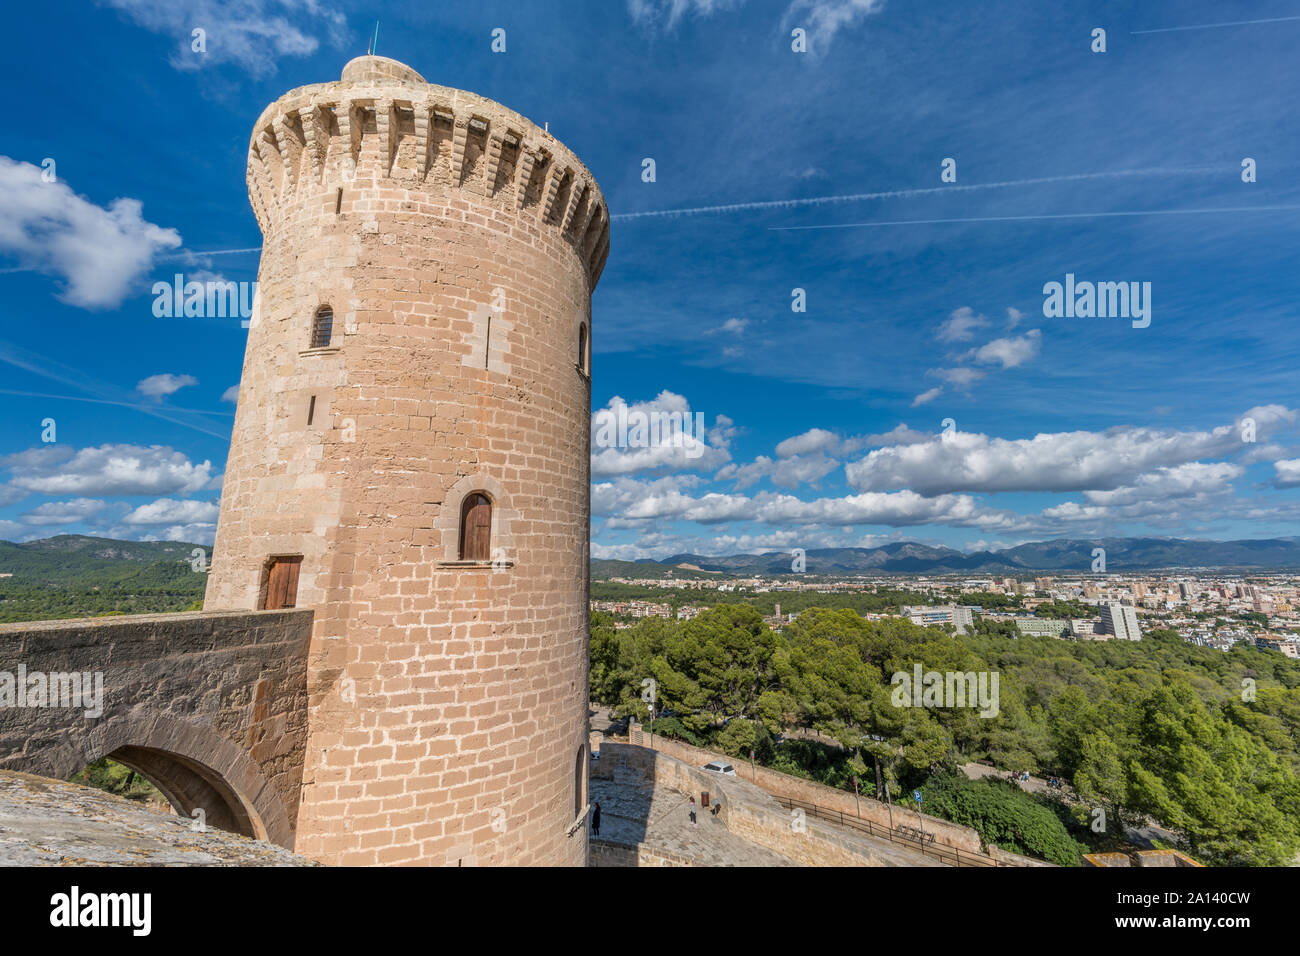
<point x="322" y="327"/>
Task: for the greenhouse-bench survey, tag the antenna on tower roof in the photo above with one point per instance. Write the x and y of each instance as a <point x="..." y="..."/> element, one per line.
<point x="374" y="42"/>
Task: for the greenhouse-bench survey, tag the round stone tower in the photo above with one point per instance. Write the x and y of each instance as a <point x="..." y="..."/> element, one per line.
<point x="410" y="459"/>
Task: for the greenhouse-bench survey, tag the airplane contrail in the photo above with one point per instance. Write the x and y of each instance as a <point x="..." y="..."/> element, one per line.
<point x="186" y="253"/>
<point x="46" y="367"/>
<point x="1063" y="215"/>
<point x="907" y="193"/>
<point x="1211" y="26"/>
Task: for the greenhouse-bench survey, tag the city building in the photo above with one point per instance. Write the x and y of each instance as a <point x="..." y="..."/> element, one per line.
<point x="1042" y="626"/>
<point x="1120" y="621"/>
<point x="960" y="617"/>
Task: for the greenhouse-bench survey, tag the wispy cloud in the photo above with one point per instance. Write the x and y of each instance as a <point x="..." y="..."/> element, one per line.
<point x="160" y="386"/>
<point x="250" y="33"/>
<point x="98" y="252"/>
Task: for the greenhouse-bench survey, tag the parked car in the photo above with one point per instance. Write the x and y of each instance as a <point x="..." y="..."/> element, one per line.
<point x="717" y="766"/>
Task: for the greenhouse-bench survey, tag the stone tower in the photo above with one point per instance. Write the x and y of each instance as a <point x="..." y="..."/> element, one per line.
<point x="410" y="459"/>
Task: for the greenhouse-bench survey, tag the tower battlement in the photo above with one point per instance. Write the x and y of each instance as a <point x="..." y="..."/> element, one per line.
<point x="382" y="121"/>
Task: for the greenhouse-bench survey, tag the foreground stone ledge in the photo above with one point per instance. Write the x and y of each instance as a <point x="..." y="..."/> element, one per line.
<point x="46" y="822"/>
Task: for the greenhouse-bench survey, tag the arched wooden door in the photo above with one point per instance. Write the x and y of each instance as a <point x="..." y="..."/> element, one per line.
<point x="476" y="528"/>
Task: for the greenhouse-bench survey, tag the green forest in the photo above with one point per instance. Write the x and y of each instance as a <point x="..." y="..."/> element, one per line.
<point x="878" y="601"/>
<point x="72" y="576"/>
<point x="1204" y="742"/>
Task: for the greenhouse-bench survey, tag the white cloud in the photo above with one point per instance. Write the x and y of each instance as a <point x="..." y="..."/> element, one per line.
<point x="189" y="533"/>
<point x="929" y="395"/>
<point x="1061" y="461"/>
<point x="1009" y="352"/>
<point x="825" y="18"/>
<point x="656" y="501"/>
<point x="231" y="394"/>
<point x="173" y="511"/>
<point x="106" y="470"/>
<point x="961" y="325"/>
<point x="251" y="33"/>
<point x="1179" y="481"/>
<point x="674" y="443"/>
<point x="160" y="386"/>
<point x="787" y="472"/>
<point x="958" y="377"/>
<point x="97" y="252"/>
<point x="11" y="494"/>
<point x="734" y="326"/>
<point x="668" y="13"/>
<point x="63" y="512"/>
<point x="810" y="442"/>
<point x="821" y="441"/>
<point x="1288" y="473"/>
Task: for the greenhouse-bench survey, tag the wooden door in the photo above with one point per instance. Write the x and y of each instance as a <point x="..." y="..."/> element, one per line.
<point x="476" y="529"/>
<point x="282" y="583"/>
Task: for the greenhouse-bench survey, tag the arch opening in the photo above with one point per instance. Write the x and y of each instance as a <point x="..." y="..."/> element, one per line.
<point x="189" y="785"/>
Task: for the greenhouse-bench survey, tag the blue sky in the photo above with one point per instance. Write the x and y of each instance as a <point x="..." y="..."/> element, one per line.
<point x="924" y="297"/>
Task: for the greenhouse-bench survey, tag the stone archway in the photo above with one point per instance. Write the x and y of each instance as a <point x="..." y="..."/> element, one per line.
<point x="189" y="786"/>
<point x="192" y="765"/>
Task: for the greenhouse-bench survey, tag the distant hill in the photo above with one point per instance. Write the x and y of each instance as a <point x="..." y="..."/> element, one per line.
<point x="72" y="575"/>
<point x="1061" y="554"/>
<point x="73" y="557"/>
<point x="604" y="568"/>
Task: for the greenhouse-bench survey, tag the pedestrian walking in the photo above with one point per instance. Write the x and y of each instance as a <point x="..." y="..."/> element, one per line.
<point x="595" y="819"/>
<point x="693" y="823"/>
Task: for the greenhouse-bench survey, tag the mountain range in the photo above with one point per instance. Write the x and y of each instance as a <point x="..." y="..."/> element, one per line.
<point x="65" y="556"/>
<point x="1061" y="554"/>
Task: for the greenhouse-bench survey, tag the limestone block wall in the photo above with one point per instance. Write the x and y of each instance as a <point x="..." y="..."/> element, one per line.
<point x="210" y="707"/>
<point x="747" y="810"/>
<point x="457" y="245"/>
<point x="794" y="788"/>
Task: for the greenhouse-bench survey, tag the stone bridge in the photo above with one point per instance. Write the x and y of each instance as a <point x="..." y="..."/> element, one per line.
<point x="210" y="707"/>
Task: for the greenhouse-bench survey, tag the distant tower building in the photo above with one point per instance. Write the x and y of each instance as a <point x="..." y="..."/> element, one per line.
<point x="1120" y="620"/>
<point x="410" y="459"/>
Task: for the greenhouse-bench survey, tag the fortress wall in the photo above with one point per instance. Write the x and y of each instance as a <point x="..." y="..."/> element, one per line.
<point x="224" y="694"/>
<point x="806" y="791"/>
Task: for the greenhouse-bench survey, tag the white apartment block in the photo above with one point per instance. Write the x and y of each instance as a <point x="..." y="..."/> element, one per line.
<point x="1121" y="621"/>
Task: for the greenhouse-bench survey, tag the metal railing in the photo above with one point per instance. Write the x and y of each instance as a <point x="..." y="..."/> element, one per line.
<point x="910" y="837"/>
